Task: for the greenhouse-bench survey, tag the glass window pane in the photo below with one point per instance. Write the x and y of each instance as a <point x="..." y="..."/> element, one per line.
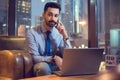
<point x="100" y="22"/>
<point x="4" y="17"/>
<point x="75" y="18"/>
<point x="23" y="16"/>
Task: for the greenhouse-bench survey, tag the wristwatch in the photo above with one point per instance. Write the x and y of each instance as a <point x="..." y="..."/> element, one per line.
<point x="66" y="38"/>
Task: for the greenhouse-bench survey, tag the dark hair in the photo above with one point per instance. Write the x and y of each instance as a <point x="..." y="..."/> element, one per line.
<point x="52" y="5"/>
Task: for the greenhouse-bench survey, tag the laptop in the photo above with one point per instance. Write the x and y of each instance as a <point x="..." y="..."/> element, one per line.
<point x="81" y="61"/>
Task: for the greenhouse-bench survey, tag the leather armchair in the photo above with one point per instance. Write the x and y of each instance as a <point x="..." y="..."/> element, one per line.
<point x="15" y="62"/>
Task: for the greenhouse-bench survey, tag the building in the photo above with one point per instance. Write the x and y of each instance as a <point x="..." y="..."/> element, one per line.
<point x="38" y="20"/>
<point x="23" y="13"/>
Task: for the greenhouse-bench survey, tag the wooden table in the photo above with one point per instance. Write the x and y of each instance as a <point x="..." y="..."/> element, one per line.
<point x="55" y="77"/>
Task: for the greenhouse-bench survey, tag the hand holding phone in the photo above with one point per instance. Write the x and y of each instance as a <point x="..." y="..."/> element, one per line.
<point x="57" y="24"/>
<point x="61" y="28"/>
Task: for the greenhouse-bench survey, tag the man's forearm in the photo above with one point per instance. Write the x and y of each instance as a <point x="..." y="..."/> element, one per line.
<point x="38" y="59"/>
<point x="67" y="43"/>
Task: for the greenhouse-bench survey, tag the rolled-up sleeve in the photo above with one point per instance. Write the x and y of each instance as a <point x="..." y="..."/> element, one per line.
<point x="67" y="43"/>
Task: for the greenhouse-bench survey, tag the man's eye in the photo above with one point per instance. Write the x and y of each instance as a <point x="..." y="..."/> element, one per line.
<point x="56" y="15"/>
<point x="49" y="14"/>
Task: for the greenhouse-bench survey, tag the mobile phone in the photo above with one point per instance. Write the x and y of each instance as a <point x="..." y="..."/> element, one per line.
<point x="57" y="24"/>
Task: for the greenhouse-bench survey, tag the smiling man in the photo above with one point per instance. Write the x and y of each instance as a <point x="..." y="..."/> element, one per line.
<point x="46" y="39"/>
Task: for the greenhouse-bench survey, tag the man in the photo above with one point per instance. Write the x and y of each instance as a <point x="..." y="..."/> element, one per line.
<point x="37" y="37"/>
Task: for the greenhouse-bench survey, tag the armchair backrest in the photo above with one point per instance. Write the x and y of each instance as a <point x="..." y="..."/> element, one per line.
<point x="12" y="43"/>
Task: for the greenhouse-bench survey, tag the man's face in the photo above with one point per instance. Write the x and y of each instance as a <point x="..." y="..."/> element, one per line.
<point x="51" y="16"/>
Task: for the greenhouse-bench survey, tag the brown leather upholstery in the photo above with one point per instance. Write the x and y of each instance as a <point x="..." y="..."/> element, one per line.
<point x="12" y="43"/>
<point x="5" y="78"/>
<point x="28" y="64"/>
<point x="15" y="62"/>
<point x="11" y="64"/>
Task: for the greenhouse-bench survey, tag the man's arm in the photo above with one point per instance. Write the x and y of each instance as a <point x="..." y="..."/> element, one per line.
<point x="33" y="48"/>
<point x="65" y="43"/>
<point x="38" y="59"/>
<point x="58" y="60"/>
<point x="63" y="31"/>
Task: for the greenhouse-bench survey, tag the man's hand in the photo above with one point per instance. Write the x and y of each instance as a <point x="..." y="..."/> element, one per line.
<point x="58" y="61"/>
<point x="62" y="30"/>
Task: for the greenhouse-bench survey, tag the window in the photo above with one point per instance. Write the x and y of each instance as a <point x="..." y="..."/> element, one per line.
<point x="4" y="17"/>
<point x="74" y="16"/>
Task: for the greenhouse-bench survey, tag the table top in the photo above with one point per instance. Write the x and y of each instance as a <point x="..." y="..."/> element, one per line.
<point x="104" y="75"/>
<point x="55" y="77"/>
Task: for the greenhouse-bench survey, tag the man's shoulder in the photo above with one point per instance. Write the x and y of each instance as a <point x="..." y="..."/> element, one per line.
<point x="35" y="29"/>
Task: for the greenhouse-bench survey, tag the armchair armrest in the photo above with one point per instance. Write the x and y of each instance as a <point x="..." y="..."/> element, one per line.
<point x="15" y="64"/>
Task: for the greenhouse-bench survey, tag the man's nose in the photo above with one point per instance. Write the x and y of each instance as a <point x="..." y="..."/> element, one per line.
<point x="53" y="17"/>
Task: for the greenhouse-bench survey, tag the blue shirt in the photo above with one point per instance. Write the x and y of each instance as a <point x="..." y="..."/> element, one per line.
<point x="36" y="42"/>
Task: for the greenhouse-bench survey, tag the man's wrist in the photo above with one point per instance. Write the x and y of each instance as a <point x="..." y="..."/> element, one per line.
<point x="66" y="38"/>
<point x="48" y="58"/>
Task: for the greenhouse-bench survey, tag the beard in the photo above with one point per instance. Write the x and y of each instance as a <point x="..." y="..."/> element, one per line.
<point x="51" y="23"/>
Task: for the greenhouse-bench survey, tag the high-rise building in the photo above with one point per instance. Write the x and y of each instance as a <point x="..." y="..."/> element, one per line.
<point x="38" y="20"/>
<point x="23" y="13"/>
<point x="67" y="14"/>
<point x="73" y="12"/>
